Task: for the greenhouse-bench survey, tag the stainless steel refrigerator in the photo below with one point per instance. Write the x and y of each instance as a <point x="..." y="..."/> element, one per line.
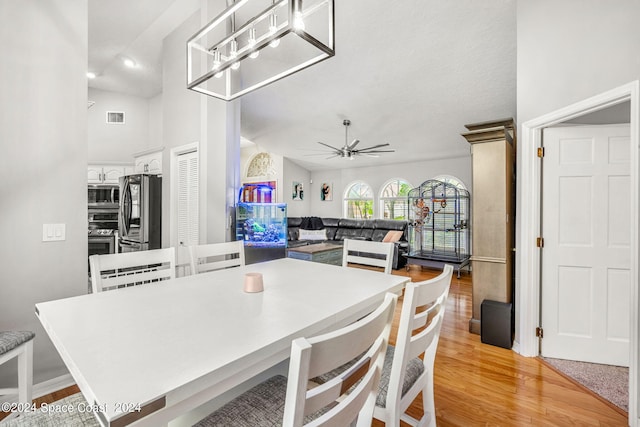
<point x="140" y="217"/>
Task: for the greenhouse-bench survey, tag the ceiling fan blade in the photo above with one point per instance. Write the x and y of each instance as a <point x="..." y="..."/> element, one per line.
<point x="374" y="151"/>
<point x="368" y="155"/>
<point x="330" y="146"/>
<point x="373" y="147"/>
<point x="353" y="144"/>
<point x="335" y="155"/>
<point x="314" y="150"/>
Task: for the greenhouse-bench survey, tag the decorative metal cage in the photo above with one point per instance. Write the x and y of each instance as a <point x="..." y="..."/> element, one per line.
<point x="439" y="222"/>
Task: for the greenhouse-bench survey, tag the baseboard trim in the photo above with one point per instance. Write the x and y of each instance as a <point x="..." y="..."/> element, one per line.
<point x="46" y="387"/>
<point x="54" y="384"/>
<point x="474" y="326"/>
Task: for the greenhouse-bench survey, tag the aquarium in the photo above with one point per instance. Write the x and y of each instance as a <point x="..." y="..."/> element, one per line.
<point x="262" y="224"/>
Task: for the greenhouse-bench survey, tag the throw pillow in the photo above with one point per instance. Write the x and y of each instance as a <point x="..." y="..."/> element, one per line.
<point x="311" y="223"/>
<point x="312" y="234"/>
<point x="392" y="236"/>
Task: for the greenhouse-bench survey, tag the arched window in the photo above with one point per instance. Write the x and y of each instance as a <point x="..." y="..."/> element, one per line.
<point x="393" y="199"/>
<point x="358" y="201"/>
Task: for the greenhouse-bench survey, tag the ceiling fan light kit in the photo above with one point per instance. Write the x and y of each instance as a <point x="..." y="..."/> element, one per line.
<point x="256" y="42"/>
<point x="349" y="151"/>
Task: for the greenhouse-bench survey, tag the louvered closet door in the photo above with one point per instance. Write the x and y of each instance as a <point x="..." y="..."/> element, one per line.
<point x="188" y="218"/>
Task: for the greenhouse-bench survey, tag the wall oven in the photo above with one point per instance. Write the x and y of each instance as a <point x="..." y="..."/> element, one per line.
<point x="102" y="242"/>
<point x="103" y="230"/>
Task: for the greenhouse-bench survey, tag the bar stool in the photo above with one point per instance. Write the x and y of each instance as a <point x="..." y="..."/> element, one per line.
<point x="19" y="344"/>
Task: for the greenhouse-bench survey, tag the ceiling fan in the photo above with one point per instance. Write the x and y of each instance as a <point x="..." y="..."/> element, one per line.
<point x="349" y="151"/>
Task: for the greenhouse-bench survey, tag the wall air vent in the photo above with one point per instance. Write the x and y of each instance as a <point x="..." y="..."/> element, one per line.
<point x="115" y="117"/>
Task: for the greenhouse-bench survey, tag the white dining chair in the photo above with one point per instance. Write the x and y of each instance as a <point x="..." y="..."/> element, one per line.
<point x="289" y="402"/>
<point x="18" y="344"/>
<point x="406" y="374"/>
<point x="216" y="256"/>
<point x="112" y="271"/>
<point x="367" y="252"/>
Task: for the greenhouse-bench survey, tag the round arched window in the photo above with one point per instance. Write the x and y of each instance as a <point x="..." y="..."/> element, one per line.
<point x="358" y="201"/>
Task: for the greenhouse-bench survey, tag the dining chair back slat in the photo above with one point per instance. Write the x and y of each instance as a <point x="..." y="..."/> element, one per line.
<point x="366" y="252"/>
<point x="216" y="256"/>
<point x="112" y="271"/>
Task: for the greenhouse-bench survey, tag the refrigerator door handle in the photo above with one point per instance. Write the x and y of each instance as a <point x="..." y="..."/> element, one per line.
<point x="126" y="208"/>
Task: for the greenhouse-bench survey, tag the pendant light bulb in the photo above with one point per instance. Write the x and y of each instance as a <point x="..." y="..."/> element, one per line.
<point x="233" y="53"/>
<point x="252" y="44"/>
<point x="216" y="60"/>
<point x="233" y="50"/>
<point x="273" y="27"/>
<point x="216" y="63"/>
<point x="298" y="22"/>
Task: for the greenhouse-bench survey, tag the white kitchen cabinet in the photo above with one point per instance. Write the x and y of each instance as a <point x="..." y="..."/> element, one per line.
<point x="106" y="173"/>
<point x="149" y="161"/>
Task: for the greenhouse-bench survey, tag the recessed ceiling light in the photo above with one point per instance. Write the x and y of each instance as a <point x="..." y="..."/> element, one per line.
<point x="91" y="75"/>
<point x="129" y="62"/>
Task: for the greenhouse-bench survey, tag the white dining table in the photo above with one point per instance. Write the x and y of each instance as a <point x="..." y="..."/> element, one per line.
<point x="146" y="354"/>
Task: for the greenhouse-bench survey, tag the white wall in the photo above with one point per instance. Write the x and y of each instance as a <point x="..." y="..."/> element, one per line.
<point x="294" y="173"/>
<point x="573" y="49"/>
<point x="117" y="142"/>
<point x="415" y="173"/>
<point x="154" y="137"/>
<point x="43" y="165"/>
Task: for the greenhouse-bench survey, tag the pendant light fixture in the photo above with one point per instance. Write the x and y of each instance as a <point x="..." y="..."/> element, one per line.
<point x="256" y="42"/>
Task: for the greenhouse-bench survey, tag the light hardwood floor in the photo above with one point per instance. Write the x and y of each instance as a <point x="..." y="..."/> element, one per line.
<point x="482" y="385"/>
<point x="478" y="384"/>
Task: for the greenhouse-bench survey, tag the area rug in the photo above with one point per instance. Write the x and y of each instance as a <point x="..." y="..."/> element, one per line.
<point x="609" y="382"/>
<point x="71" y="411"/>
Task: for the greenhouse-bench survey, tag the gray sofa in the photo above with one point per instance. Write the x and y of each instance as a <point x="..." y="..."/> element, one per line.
<point x="338" y="229"/>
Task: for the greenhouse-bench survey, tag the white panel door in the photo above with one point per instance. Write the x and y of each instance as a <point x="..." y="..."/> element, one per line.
<point x="586" y="219"/>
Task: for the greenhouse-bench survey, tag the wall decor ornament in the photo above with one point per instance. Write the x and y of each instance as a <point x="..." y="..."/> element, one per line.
<point x="326" y="192"/>
<point x="261" y="165"/>
<point x="297" y="191"/>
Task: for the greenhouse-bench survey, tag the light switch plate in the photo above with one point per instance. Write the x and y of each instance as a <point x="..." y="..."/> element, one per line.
<point x="53" y="232"/>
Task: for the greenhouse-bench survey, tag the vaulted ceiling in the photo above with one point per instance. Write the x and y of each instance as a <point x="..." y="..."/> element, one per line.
<point x="410" y="73"/>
